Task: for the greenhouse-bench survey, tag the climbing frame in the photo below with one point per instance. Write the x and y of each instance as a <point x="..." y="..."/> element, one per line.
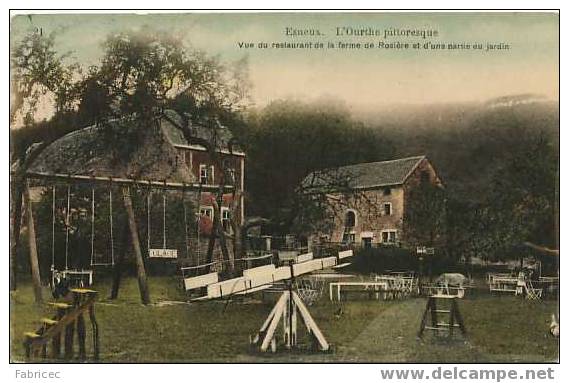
<point x="68" y="319"/>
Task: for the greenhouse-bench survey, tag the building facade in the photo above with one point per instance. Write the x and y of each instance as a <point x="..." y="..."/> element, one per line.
<point x="204" y="168"/>
<point x="373" y="205"/>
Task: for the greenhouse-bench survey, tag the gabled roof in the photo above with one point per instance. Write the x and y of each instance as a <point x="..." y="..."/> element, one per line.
<point x="176" y="137"/>
<point x="122" y="148"/>
<point x="365" y="175"/>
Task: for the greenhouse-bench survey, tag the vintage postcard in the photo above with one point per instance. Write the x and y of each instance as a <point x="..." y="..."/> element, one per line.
<point x="285" y="187"/>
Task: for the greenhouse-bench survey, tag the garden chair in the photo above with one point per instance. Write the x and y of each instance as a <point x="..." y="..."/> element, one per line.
<point x="532" y="293"/>
<point x="310" y="290"/>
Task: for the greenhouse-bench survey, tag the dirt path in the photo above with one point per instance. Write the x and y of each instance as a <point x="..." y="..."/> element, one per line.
<point x="381" y="341"/>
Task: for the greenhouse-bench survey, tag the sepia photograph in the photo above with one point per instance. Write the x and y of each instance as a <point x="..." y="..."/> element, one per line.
<point x="284" y="187"/>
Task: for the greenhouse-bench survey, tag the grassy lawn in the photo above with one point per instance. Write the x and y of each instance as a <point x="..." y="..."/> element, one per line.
<point x="500" y="329"/>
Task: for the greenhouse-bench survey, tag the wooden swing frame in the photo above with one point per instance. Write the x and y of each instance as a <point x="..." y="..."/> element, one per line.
<point x="125" y="184"/>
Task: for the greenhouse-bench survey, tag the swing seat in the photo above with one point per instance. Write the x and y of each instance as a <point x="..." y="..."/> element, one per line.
<point x="163" y="253"/>
<point x="83" y="291"/>
<point x="83" y="277"/>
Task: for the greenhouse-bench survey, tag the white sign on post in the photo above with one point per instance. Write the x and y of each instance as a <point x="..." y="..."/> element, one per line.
<point x="163" y="253"/>
<point x="425" y="250"/>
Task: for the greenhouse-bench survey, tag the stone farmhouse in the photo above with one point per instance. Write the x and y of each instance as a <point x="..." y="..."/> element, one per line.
<point x="367" y="202"/>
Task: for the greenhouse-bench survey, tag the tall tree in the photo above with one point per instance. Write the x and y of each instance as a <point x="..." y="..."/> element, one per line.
<point x="39" y="77"/>
<point x="523" y="199"/>
<point x="425" y="216"/>
<point x="288" y="139"/>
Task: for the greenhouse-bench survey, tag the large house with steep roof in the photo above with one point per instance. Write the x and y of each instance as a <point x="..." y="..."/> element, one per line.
<point x="201" y="165"/>
<point x="368" y="201"/>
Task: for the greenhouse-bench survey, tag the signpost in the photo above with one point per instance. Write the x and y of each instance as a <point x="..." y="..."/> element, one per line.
<point x="423" y="251"/>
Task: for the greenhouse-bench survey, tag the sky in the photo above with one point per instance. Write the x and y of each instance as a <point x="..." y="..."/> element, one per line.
<point x="366" y="77"/>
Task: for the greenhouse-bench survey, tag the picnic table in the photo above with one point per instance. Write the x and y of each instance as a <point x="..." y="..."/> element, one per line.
<point x="375" y="286"/>
<point x="504" y="283"/>
<point x="438" y="290"/>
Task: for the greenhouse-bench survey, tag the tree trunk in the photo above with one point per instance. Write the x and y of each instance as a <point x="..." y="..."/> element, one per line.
<point x="140" y="271"/>
<point x="118" y="268"/>
<point x="16" y="209"/>
<point x="221" y="231"/>
<point x="34" y="263"/>
<point x="218" y="233"/>
<point x="210" y="247"/>
<point x="237" y="226"/>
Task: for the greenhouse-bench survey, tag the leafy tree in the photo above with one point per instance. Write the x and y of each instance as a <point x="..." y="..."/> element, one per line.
<point x="520" y="206"/>
<point x="144" y="71"/>
<point x="523" y="198"/>
<point x="289" y="139"/>
<point x="140" y="74"/>
<point x="38" y="75"/>
<point x="425" y="216"/>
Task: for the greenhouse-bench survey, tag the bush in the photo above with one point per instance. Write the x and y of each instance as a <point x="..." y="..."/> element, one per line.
<point x="382" y="259"/>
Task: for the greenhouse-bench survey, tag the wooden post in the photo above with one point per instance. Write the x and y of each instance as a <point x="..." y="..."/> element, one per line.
<point x="17" y="192"/>
<point x="68" y="341"/>
<point x="56" y="346"/>
<point x="141" y="272"/>
<point x="34" y="264"/>
<point x="81" y="335"/>
<point x="118" y="267"/>
<point x="95" y="329"/>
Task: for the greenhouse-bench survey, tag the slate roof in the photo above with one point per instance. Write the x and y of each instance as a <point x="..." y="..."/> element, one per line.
<point x="364" y="175"/>
<point x="121" y="148"/>
<point x="177" y="138"/>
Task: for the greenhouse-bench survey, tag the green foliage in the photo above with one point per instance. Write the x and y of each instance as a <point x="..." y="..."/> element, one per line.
<point x="140" y="73"/>
<point x="383" y="259"/>
<point x="143" y="71"/>
<point x="289" y="139"/>
<point x="425" y="216"/>
<point x="520" y="205"/>
<point x="524" y="196"/>
<point x="498" y="164"/>
<point x="38" y="72"/>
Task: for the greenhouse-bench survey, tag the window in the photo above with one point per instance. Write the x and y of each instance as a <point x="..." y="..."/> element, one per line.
<point x="229" y="171"/>
<point x="230" y="176"/>
<point x="425" y="177"/>
<point x="389" y="236"/>
<point x="387" y="191"/>
<point x="349" y="238"/>
<point x="387" y="208"/>
<point x="225" y="219"/>
<point x="206" y="175"/>
<point x="206" y="211"/>
<point x="203" y="174"/>
<point x="350" y="220"/>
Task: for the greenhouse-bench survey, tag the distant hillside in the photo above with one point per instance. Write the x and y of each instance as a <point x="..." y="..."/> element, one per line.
<point x="468" y="142"/>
